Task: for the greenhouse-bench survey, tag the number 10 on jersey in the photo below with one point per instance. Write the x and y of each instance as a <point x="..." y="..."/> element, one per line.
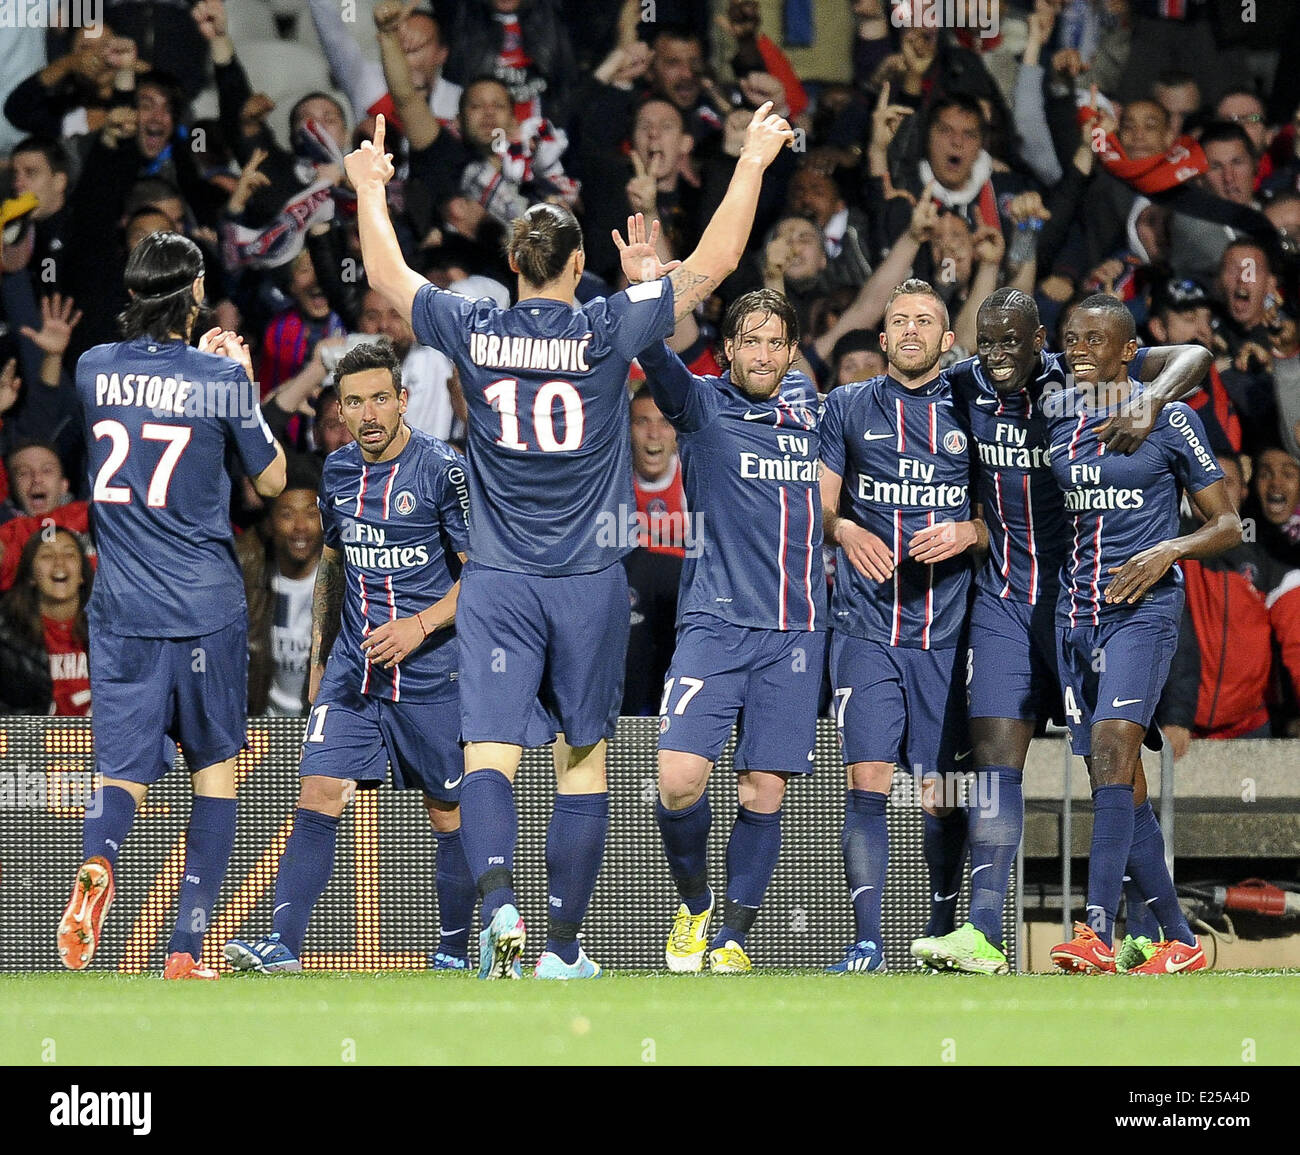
<point x="503" y="396"/>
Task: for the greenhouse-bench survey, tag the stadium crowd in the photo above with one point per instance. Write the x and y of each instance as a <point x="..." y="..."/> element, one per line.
<point x="1149" y="148"/>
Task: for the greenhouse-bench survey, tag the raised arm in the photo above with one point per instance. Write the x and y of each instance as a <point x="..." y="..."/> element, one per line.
<point x="868" y="306"/>
<point x="723" y="242"/>
<point x="360" y="78"/>
<point x="370" y="169"/>
<point x="672" y="385"/>
<point x="422" y="127"/>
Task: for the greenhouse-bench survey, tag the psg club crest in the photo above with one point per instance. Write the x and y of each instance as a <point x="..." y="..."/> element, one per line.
<point x="954" y="441"/>
<point x="404" y="502"/>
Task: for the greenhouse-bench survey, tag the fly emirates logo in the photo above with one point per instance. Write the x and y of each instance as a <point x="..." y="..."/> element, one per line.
<point x="1008" y="450"/>
<point x="1086" y="493"/>
<point x="366" y="547"/>
<point x="915" y="488"/>
<point x="792" y="465"/>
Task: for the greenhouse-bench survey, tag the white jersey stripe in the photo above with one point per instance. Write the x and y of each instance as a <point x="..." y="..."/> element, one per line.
<point x="929" y="596"/>
<point x="361" y="582"/>
<point x="780" y="563"/>
<point x="1074" y="570"/>
<point x="807" y="563"/>
<point x="898" y="551"/>
<point x="361" y="493"/>
<point x="1096" y="572"/>
<point x="392" y="611"/>
<point x="388" y="489"/>
<point x="902" y="433"/>
<point x="1006" y="535"/>
<point x="1033" y="545"/>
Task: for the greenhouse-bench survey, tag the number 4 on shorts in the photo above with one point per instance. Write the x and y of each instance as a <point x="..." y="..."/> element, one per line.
<point x="1072" y="710"/>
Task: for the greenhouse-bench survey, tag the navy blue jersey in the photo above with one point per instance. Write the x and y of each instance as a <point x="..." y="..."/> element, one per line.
<point x="1029" y="534"/>
<point x="1118" y="505"/>
<point x="550" y="460"/>
<point x="161" y="420"/>
<point x="905" y="458"/>
<point x="751" y="475"/>
<point x="399" y="525"/>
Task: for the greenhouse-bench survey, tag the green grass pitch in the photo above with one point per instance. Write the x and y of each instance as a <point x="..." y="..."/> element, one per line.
<point x="1219" y="1018"/>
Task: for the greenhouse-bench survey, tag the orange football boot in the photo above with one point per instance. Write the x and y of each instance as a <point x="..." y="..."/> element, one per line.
<point x="83" y="917"/>
<point x="1172" y="958"/>
<point x="183" y="966"/>
<point x="1084" y="954"/>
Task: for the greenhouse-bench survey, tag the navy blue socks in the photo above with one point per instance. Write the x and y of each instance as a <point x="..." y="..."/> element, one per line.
<point x="685" y="835"/>
<point x="209" y="839"/>
<point x="305" y="869"/>
<point x="489" y="828"/>
<point x="945" y="854"/>
<point x="997" y="820"/>
<point x="108" y="822"/>
<point x="1112" y="836"/>
<point x="456" y="894"/>
<point x="865" y="842"/>
<point x="752" y="853"/>
<point x="575" y="848"/>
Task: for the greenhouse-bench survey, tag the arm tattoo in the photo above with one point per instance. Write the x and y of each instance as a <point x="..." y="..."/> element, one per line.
<point x="326" y="605"/>
<point x="689" y="289"/>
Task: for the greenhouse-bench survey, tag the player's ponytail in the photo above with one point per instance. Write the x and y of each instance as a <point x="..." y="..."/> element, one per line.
<point x="160" y="274"/>
<point x="542" y="241"/>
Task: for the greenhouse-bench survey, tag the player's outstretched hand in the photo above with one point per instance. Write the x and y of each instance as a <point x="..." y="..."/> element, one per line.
<point x="767" y="135"/>
<point x="393" y="642"/>
<point x="370" y="165"/>
<point x="870" y="556"/>
<point x="638" y="254"/>
<point x="1139" y="574"/>
<point x="941" y="541"/>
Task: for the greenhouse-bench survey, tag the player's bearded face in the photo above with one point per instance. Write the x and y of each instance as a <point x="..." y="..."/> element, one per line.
<point x="1098" y="352"/>
<point x="914" y="335"/>
<point x="372" y="409"/>
<point x="1008" y="346"/>
<point x="760" y="355"/>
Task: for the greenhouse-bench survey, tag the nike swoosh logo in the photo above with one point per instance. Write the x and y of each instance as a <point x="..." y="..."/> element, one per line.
<point x="344" y="500"/>
<point x="944" y="897"/>
<point x="752" y="416"/>
<point x="449" y="785"/>
<point x="976" y="871"/>
<point x="1172" y="967"/>
<point x="859" y="891"/>
<point x="453" y="930"/>
<point x="1116" y="703"/>
<point x="869" y="436"/>
<point x="959" y="757"/>
<point x="986" y="400"/>
<point x="279" y="908"/>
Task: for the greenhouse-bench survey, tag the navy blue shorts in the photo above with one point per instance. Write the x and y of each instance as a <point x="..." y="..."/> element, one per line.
<point x="1117" y="670"/>
<point x="1011" y="660"/>
<point x="766" y="680"/>
<point x="144" y="690"/>
<point x="900" y="705"/>
<point x="525" y="639"/>
<point x="353" y="735"/>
